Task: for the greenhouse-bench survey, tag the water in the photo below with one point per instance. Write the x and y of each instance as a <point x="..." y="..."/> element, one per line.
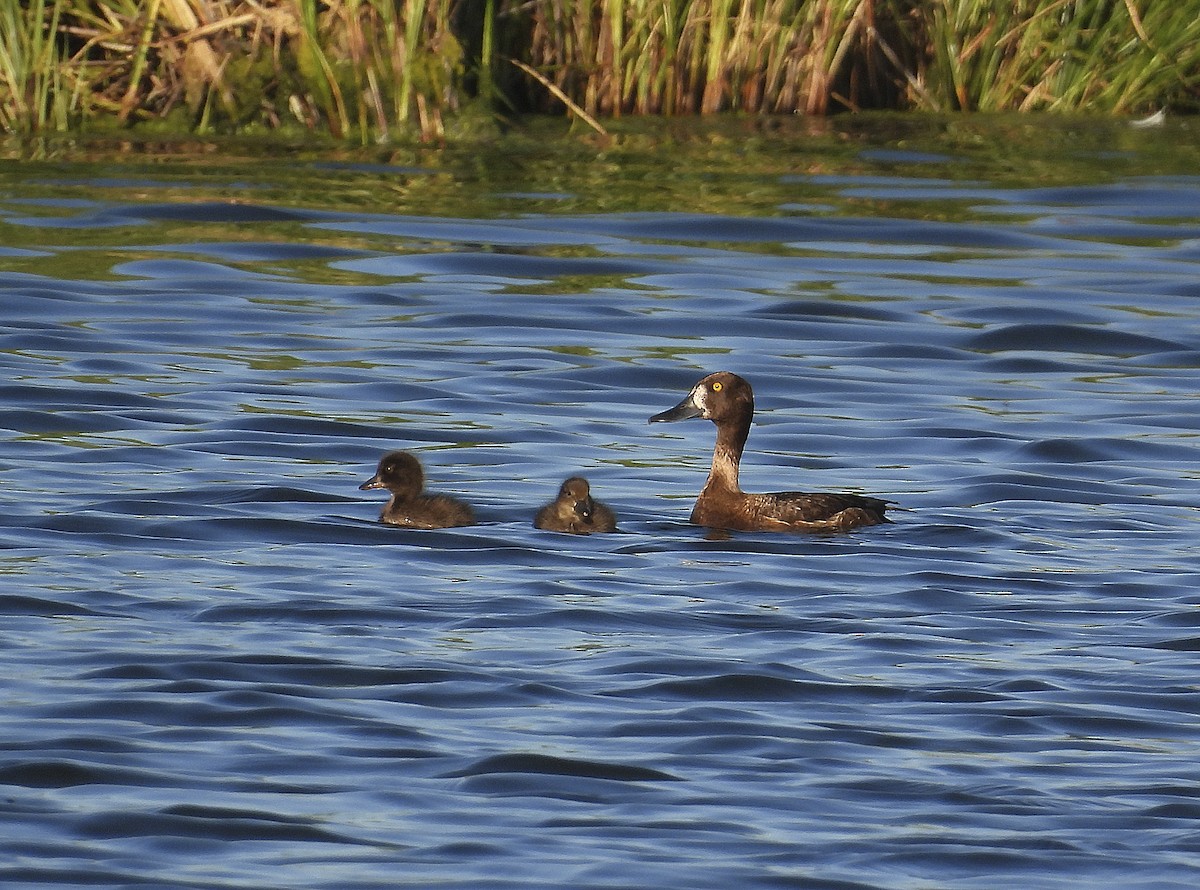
<point x="221" y="672"/>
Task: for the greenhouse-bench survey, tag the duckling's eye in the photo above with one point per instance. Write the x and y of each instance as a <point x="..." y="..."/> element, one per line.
<point x="718" y="386"/>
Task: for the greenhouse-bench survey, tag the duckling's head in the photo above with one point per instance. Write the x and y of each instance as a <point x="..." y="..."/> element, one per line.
<point x="578" y="494"/>
<point x="400" y="473"/>
<point x="721" y="397"/>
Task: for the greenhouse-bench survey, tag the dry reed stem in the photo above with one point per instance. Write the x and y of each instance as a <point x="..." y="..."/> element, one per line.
<point x="563" y="97"/>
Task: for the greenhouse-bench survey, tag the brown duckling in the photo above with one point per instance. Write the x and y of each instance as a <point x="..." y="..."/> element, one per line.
<point x="728" y="401"/>
<point x="401" y="474"/>
<point x="575" y="511"/>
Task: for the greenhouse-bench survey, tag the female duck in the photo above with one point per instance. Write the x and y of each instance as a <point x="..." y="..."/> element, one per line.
<point x="728" y="401"/>
<point x="575" y="511"/>
<point x="401" y="474"/>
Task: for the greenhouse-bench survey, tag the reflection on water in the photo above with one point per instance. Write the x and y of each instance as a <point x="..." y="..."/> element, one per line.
<point x="223" y="672"/>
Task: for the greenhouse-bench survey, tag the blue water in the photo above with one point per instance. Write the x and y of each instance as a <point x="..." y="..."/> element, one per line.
<point x="220" y="671"/>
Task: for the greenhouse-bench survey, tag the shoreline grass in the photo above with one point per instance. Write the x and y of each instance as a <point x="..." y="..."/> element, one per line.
<point x="381" y="70"/>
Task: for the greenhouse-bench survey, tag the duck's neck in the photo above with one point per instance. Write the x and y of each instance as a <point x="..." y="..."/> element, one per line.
<point x="405" y="494"/>
<point x="727" y="455"/>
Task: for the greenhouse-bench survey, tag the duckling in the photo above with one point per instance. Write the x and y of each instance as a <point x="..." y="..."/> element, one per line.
<point x="575" y="511"/>
<point x="401" y="474"/>
<point x="728" y="401"/>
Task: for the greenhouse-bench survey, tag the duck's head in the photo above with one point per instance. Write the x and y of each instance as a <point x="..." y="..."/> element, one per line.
<point x="722" y="397"/>
<point x="399" y="472"/>
<point x="578" y="494"/>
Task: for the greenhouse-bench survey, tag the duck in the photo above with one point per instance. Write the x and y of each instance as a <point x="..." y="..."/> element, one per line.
<point x="575" y="511"/>
<point x="728" y="401"/>
<point x="400" y="473"/>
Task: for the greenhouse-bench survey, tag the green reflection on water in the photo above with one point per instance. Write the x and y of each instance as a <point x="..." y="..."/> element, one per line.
<point x="727" y="165"/>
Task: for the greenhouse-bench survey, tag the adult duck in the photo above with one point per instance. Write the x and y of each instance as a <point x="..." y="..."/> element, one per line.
<point x="401" y="474"/>
<point x="728" y="401"/>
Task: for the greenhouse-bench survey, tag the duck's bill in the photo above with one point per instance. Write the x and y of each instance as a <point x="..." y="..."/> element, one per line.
<point x="373" y="482"/>
<point x="685" y="410"/>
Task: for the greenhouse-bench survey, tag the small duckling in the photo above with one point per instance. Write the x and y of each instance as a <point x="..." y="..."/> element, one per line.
<point x="401" y="474"/>
<point x="575" y="511"/>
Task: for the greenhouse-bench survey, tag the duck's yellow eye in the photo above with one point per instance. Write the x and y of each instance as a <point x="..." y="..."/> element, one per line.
<point x="718" y="386"/>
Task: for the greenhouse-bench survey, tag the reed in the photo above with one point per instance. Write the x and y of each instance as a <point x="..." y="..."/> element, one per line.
<point x="707" y="56"/>
<point x="1076" y="55"/>
<point x="382" y="69"/>
<point x="354" y="68"/>
<point x="33" y="90"/>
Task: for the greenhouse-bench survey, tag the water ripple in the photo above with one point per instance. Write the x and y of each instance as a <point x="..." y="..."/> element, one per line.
<point x="224" y="672"/>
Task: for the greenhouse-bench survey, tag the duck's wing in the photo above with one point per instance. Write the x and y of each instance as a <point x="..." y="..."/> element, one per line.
<point x="801" y="509"/>
<point x="434" y="511"/>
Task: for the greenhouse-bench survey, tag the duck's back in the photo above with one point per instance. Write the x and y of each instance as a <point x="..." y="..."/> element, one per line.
<point x="429" y="511"/>
<point x="790" y="511"/>
<point x="603" y="519"/>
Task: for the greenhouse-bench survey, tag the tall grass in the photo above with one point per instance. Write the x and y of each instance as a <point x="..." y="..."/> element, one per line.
<point x="354" y="68"/>
<point x="1096" y="55"/>
<point x="34" y="94"/>
<point x="706" y="56"/>
<point x="379" y="69"/>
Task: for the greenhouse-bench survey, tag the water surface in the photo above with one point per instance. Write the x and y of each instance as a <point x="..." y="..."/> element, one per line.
<point x="221" y="671"/>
